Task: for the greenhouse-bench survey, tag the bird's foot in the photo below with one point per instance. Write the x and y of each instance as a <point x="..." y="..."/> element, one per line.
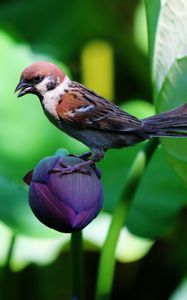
<point x="85" y="156"/>
<point x="66" y="169"/>
<point x="80" y="168"/>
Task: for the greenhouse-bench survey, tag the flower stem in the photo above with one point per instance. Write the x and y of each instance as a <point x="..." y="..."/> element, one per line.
<point x="107" y="258"/>
<point x="10" y="252"/>
<point x="77" y="265"/>
<point x="7" y="291"/>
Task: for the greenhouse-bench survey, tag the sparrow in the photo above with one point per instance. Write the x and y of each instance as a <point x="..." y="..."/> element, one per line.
<point x="90" y="118"/>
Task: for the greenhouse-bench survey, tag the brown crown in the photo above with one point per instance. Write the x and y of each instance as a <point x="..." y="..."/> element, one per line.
<point x="42" y="68"/>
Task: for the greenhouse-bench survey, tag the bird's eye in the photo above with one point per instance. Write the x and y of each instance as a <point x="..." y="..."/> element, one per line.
<point x="37" y="78"/>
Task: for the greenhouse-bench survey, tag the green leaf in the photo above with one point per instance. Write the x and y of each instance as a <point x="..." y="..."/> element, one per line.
<point x="170" y="40"/>
<point x="169" y="73"/>
<point x="159" y="198"/>
<point x="115" y="167"/>
<point x="174" y="89"/>
<point x="152" y="11"/>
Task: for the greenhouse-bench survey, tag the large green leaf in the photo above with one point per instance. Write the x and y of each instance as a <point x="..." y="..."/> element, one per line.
<point x="159" y="198"/>
<point x="115" y="167"/>
<point x="170" y="40"/>
<point x="172" y="94"/>
<point x="169" y="73"/>
<point x="161" y="195"/>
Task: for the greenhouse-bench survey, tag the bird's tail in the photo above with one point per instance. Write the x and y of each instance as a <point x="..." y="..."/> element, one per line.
<point x="172" y="123"/>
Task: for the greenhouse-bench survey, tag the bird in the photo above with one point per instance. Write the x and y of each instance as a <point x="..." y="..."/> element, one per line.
<point x="90" y="118"/>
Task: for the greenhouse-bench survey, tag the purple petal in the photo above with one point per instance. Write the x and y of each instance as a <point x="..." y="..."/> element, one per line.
<point x="40" y="173"/>
<point x="54" y="213"/>
<point x="85" y="217"/>
<point x="80" y="191"/>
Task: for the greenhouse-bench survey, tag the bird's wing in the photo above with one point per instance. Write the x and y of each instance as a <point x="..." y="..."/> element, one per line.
<point x="84" y="108"/>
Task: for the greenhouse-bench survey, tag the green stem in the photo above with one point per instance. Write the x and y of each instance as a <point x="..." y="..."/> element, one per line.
<point x="7" y="292"/>
<point x="10" y="252"/>
<point x="77" y="265"/>
<point x="107" y="258"/>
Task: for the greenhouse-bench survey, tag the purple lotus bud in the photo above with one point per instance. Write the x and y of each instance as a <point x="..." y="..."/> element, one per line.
<point x="65" y="202"/>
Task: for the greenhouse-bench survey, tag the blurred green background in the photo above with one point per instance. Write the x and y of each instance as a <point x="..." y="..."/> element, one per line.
<point x="104" y="45"/>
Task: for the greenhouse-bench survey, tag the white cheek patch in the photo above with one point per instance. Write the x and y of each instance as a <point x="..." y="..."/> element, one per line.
<point x="42" y="86"/>
<point x="51" y="98"/>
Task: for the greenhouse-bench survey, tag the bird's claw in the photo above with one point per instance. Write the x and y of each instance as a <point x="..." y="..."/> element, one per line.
<point x="72" y="169"/>
<point x="69" y="169"/>
<point x="85" y="156"/>
<point x="54" y="171"/>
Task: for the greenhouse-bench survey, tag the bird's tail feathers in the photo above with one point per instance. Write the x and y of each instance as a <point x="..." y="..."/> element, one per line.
<point x="172" y="123"/>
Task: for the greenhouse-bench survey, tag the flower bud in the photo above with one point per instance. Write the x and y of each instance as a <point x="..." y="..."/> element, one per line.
<point x="64" y="202"/>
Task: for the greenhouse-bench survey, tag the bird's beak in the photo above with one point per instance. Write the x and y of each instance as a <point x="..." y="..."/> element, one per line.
<point x="24" y="88"/>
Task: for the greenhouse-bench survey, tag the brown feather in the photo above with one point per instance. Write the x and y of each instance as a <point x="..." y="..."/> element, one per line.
<point x="99" y="113"/>
<point x="69" y="102"/>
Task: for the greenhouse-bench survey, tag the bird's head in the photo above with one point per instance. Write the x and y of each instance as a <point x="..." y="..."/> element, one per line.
<point x="39" y="78"/>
